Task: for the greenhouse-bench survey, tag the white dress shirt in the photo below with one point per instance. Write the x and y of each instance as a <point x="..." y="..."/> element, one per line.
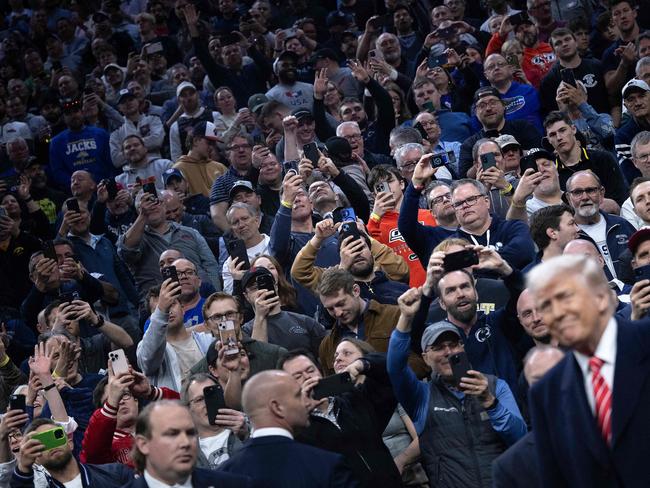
<point x="156" y="483"/>
<point x="269" y="431"/>
<point x="606" y="351"/>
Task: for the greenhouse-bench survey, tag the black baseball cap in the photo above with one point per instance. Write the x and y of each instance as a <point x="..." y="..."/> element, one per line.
<point x="486" y="91"/>
<point x="252" y="274"/>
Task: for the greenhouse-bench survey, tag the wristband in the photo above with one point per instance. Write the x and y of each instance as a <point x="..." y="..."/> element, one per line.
<point x="100" y="322"/>
<point x="55" y="374"/>
<point x="286" y="204"/>
<point x="507" y="190"/>
<point x="49" y="387"/>
<point x="5" y="361"/>
<point x="513" y="204"/>
<point x="375" y="217"/>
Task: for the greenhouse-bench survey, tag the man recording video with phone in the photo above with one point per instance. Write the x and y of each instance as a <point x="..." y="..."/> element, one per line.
<point x="449" y="413"/>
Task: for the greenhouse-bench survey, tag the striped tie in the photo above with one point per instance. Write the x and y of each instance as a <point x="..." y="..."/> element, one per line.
<point x="603" y="399"/>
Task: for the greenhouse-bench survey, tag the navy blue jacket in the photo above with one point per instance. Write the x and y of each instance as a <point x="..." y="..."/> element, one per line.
<point x="277" y="461"/>
<point x="517" y="467"/>
<point x="570" y="448"/>
<point x="204" y="478"/>
<point x="510" y="237"/>
<point x="111" y="475"/>
<point x="618" y="231"/>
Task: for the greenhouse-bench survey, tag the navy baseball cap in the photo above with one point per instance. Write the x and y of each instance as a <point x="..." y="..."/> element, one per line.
<point x="172" y="173"/>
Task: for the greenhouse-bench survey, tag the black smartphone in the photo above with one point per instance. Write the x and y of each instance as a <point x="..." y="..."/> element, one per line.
<point x="526" y="163"/>
<point x="72" y="204"/>
<point x="69" y="296"/>
<point x="311" y="152"/>
<point x="237" y="250"/>
<point x="642" y="273"/>
<point x="446" y="33"/>
<point x="568" y="77"/>
<point x="435" y="61"/>
<point x="169" y="272"/>
<point x="459" y="366"/>
<point x="488" y="160"/>
<point x="265" y="282"/>
<point x="518" y="18"/>
<point x="372" y="54"/>
<point x="49" y="251"/>
<point x="150" y="187"/>
<point x="111" y="188"/>
<point x="17" y="402"/>
<point x="459" y="260"/>
<point x="56" y="65"/>
<point x="381" y="22"/>
<point x="290" y="167"/>
<point x="438" y="160"/>
<point x="344" y="214"/>
<point x="214" y="400"/>
<point x="349" y="229"/>
<point x="512" y="60"/>
<point x="333" y="385"/>
<point x="423" y="133"/>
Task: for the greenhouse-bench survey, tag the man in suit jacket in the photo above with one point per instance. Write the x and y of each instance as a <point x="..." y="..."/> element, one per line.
<point x="274" y="402"/>
<point x="589" y="412"/>
<point x="166" y="446"/>
<point x="517" y="467"/>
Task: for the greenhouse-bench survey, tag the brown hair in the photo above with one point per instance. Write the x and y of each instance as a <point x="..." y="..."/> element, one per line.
<point x="286" y="291"/>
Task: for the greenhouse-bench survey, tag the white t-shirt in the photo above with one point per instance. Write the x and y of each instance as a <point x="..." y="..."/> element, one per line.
<point x="188" y="354"/>
<point x="74" y="483"/>
<point x="252" y="252"/>
<point x="598" y="233"/>
<point x="215" y="448"/>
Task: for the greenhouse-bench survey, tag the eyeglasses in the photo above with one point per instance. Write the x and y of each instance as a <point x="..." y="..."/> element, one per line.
<point x="197" y="400"/>
<point x="440" y="199"/>
<point x="441" y="346"/>
<point x="488" y="103"/>
<point x="498" y="64"/>
<point x="353" y="137"/>
<point x="591" y="191"/>
<point x="188" y="273"/>
<point x="220" y="317"/>
<point x="409" y="164"/>
<point x="470" y="202"/>
<point x="238" y="147"/>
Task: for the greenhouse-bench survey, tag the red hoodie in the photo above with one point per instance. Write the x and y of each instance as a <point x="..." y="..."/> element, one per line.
<point x="385" y="231"/>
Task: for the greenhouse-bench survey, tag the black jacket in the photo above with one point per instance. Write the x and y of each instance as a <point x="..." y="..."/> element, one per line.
<point x="362" y="416"/>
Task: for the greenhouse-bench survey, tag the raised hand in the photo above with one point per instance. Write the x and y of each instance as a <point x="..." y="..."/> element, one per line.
<point x="320" y="84"/>
<point x="409" y="301"/>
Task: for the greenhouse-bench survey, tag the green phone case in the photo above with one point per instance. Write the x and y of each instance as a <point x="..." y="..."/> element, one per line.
<point x="52" y="438"/>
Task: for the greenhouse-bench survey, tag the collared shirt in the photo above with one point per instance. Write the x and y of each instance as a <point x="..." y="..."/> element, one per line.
<point x="606" y="351"/>
<point x="269" y="431"/>
<point x="92" y="242"/>
<point x="156" y="483"/>
<point x="331" y="414"/>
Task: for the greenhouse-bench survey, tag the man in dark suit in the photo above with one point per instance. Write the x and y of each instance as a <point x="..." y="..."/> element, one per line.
<point x="274" y="402"/>
<point x="166" y="446"/>
<point x="517" y="467"/>
<point x="589" y="412"/>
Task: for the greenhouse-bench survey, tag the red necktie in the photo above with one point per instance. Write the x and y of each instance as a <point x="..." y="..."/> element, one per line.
<point x="603" y="399"/>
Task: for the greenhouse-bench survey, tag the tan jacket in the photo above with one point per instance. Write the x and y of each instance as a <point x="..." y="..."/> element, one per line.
<point x="308" y="275"/>
<point x="200" y="174"/>
<point x="379" y="320"/>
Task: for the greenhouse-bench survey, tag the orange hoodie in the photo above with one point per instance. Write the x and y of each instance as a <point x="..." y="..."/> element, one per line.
<point x="385" y="231"/>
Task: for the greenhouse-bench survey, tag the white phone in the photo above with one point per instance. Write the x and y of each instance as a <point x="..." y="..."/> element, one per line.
<point x="119" y="361"/>
<point x="228" y="337"/>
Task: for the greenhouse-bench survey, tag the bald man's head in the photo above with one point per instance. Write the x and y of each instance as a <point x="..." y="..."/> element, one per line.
<point x="273" y="398"/>
<point x="539" y="360"/>
<point x="585" y="248"/>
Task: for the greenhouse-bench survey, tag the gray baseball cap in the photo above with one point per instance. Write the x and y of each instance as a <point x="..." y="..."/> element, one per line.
<point x="434" y="331"/>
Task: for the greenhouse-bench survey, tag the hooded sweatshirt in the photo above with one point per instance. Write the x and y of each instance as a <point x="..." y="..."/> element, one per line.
<point x="199" y="173"/>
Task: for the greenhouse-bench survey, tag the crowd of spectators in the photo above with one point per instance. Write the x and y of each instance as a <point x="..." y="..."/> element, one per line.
<point x="324" y="243"/>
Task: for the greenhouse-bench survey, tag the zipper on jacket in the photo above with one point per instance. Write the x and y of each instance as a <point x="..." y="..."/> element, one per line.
<point x="470" y="442"/>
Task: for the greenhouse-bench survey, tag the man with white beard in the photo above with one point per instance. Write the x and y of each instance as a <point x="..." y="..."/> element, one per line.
<point x="608" y="232"/>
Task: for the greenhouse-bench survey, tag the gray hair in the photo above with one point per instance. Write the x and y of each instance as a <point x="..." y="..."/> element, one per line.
<point x="477" y="145"/>
<point x="194" y="378"/>
<point x="642" y="138"/>
<point x="641" y="63"/>
<point x="386" y="34"/>
<point x="541" y="276"/>
<point x="249" y="208"/>
<point x="582" y="173"/>
<point x="431" y="186"/>
<point x="469" y="181"/>
<point x="401" y="151"/>
<point x="402" y="135"/>
<point x="343" y="125"/>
